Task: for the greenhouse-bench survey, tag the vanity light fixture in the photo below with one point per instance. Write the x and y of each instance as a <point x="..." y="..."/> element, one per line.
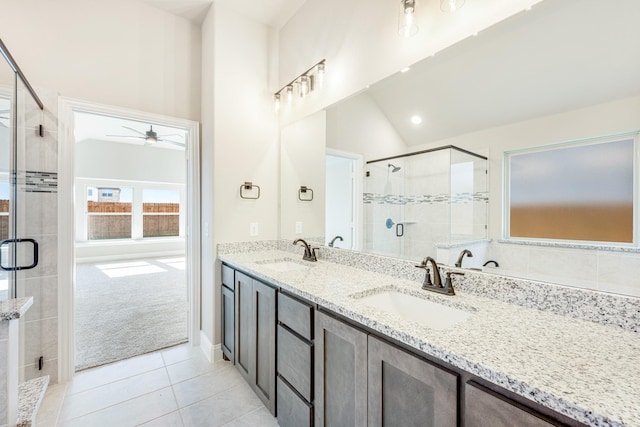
<point x="306" y="83"/>
<point x="276" y="101"/>
<point x="406" y="24"/>
<point x="451" y="5"/>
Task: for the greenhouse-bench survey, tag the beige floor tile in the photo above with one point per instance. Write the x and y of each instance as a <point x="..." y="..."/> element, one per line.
<point x="259" y="418"/>
<point x="130" y="413"/>
<point x="221" y="408"/>
<point x="50" y="406"/>
<point x="189" y="368"/>
<point x="223" y="377"/>
<point x="180" y="353"/>
<point x="170" y="420"/>
<point x="92" y="400"/>
<point x="106" y="374"/>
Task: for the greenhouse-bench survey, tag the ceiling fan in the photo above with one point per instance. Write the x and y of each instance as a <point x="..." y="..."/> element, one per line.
<point x="151" y="137"/>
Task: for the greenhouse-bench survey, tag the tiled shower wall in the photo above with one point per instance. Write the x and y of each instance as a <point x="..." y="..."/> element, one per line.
<point x="439" y="204"/>
<point x="38" y="216"/>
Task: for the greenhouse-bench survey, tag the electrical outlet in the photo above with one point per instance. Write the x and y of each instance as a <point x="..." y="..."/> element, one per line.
<point x="298" y="227"/>
<point x="253" y="229"/>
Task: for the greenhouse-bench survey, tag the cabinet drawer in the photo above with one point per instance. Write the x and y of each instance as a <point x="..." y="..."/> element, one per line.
<point x="228" y="277"/>
<point x="485" y="408"/>
<point x="296" y="315"/>
<point x="292" y="410"/>
<point x="295" y="362"/>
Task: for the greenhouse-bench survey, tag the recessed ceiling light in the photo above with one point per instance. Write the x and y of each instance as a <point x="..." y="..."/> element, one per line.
<point x="405" y="69"/>
<point x="416" y="120"/>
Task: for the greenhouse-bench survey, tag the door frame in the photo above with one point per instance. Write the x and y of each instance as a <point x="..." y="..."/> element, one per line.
<point x="66" y="220"/>
<point x="358" y="184"/>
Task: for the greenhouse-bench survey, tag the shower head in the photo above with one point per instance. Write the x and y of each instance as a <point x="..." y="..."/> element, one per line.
<point x="394" y="168"/>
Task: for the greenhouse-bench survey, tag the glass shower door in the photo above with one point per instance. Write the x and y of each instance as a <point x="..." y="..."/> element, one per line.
<point x="21" y="219"/>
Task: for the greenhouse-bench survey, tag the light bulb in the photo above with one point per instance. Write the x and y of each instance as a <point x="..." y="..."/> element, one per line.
<point x="451" y="5"/>
<point x="276" y="101"/>
<point x="320" y="74"/>
<point x="305" y="86"/>
<point x="289" y="94"/>
<point x="406" y="26"/>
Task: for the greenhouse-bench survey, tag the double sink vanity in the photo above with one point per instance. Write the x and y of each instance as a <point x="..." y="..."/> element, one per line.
<point x="352" y="339"/>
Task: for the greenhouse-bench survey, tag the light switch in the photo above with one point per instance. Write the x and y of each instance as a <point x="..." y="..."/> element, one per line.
<point x="253" y="229"/>
<point x="298" y="227"/>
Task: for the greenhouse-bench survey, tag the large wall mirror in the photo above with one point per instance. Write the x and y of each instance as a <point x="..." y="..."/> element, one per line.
<point x="566" y="70"/>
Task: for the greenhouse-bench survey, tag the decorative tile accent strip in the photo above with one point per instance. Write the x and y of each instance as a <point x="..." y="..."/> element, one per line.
<point x="398" y="199"/>
<point x="39" y="182"/>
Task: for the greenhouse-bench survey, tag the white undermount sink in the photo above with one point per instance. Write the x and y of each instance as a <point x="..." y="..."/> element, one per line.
<point x="284" y="264"/>
<point x="416" y="309"/>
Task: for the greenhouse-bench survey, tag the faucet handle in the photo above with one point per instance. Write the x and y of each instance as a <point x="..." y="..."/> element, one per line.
<point x="448" y="282"/>
<point x="314" y="254"/>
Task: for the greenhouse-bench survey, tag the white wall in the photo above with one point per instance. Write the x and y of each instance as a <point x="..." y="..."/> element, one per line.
<point x="360" y="41"/>
<point x="303" y="143"/>
<point x="117" y="52"/>
<point x="240" y="143"/>
<point x="114" y="160"/>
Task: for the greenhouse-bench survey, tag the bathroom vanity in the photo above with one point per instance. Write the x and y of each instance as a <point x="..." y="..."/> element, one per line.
<point x="343" y="357"/>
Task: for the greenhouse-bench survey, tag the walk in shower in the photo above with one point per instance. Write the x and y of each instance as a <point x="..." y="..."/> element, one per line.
<point x="28" y="217"/>
<point x="417" y="203"/>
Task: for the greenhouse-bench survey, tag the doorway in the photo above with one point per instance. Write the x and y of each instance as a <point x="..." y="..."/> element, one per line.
<point x="343" y="190"/>
<point x="133" y="186"/>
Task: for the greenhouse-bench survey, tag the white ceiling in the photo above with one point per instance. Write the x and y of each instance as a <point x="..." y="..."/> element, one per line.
<point x="561" y="55"/>
<point x="274" y="13"/>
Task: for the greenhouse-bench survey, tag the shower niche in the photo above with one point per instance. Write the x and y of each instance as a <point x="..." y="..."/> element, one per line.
<point x="432" y="202"/>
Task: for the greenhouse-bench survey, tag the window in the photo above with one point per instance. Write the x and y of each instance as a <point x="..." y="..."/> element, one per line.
<point x="161" y="213"/>
<point x="582" y="191"/>
<point x="109" y="213"/>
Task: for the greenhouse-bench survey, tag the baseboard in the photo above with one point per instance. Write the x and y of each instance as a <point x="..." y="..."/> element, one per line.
<point x="213" y="353"/>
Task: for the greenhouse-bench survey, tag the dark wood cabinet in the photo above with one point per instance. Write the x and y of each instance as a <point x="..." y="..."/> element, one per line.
<point x="405" y="390"/>
<point x="486" y="408"/>
<point x="295" y="362"/>
<point x="255" y="333"/>
<point x="340" y="373"/>
<point x="228" y="313"/>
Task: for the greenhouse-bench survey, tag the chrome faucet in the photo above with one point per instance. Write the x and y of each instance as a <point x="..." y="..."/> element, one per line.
<point x="331" y="243"/>
<point x="462" y="254"/>
<point x="309" y="252"/>
<point x="436" y="285"/>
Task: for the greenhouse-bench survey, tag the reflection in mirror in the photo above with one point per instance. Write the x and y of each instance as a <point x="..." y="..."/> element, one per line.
<point x="566" y="70"/>
<point x="302" y="164"/>
<point x="418" y="202"/>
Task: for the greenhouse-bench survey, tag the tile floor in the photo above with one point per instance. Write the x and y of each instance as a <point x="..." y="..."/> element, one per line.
<point x="171" y="388"/>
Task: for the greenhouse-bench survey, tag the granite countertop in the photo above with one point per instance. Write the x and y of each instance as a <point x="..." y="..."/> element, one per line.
<point x="14" y="308"/>
<point x="584" y="370"/>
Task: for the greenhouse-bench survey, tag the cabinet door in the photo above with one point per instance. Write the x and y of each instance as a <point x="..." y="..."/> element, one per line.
<point x="228" y="323"/>
<point x="340" y="373"/>
<point x="264" y="309"/>
<point x="485" y="408"/>
<point x="407" y="391"/>
<point x="244" y="326"/>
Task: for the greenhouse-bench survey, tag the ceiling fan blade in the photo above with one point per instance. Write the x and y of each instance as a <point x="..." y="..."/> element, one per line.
<point x="135" y="130"/>
<point x="126" y="136"/>
<point x="176" y="143"/>
<point x="170" y="134"/>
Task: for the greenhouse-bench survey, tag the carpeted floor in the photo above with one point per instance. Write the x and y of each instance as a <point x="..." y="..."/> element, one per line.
<point x="127" y="308"/>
